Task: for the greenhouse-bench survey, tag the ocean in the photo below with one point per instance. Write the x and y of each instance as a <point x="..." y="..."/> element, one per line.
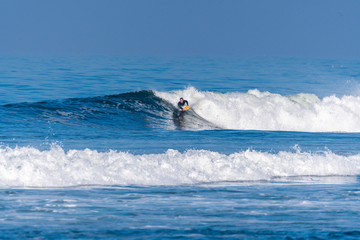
<point x="95" y="148"/>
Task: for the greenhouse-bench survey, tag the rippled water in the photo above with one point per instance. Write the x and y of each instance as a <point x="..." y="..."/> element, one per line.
<point x="96" y="148"/>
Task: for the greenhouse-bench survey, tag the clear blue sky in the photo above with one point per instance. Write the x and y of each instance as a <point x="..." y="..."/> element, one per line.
<point x="305" y="28"/>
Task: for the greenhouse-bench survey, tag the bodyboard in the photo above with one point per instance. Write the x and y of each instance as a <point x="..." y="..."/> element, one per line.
<point x="186" y="108"/>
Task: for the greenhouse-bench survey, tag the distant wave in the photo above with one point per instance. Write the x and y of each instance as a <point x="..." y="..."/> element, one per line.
<point x="255" y="110"/>
<point x="252" y="110"/>
<point x="30" y="167"/>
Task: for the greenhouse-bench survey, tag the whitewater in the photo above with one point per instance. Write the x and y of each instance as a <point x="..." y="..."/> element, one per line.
<point x="255" y="110"/>
<point x="29" y="167"/>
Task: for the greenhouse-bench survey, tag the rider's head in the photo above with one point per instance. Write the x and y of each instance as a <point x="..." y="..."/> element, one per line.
<point x="181" y="100"/>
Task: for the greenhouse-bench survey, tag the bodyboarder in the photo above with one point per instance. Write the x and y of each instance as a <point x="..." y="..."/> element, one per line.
<point x="182" y="103"/>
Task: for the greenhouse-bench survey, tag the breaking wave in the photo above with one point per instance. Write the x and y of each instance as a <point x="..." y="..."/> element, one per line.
<point x="252" y="110"/>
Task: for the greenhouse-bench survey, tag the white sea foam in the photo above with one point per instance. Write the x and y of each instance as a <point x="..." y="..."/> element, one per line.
<point x="30" y="167"/>
<point x="255" y="110"/>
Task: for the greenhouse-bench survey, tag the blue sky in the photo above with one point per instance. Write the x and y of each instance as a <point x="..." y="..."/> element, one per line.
<point x="295" y="28"/>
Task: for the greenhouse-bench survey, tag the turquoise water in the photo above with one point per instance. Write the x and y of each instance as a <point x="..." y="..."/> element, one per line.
<point x="95" y="148"/>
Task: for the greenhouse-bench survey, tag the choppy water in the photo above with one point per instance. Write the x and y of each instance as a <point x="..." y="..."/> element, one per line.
<point x="95" y="148"/>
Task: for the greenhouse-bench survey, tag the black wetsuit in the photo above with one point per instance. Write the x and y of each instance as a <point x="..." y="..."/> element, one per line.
<point x="183" y="104"/>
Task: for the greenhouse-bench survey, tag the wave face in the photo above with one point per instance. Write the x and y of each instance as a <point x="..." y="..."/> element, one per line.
<point x="30" y="167"/>
<point x="128" y="111"/>
<point x="257" y="110"/>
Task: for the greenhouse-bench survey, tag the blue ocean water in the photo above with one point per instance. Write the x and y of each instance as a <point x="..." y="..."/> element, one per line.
<point x="95" y="148"/>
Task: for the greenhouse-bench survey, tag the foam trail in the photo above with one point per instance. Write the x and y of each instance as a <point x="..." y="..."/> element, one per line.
<point x="255" y="110"/>
<point x="30" y="167"/>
